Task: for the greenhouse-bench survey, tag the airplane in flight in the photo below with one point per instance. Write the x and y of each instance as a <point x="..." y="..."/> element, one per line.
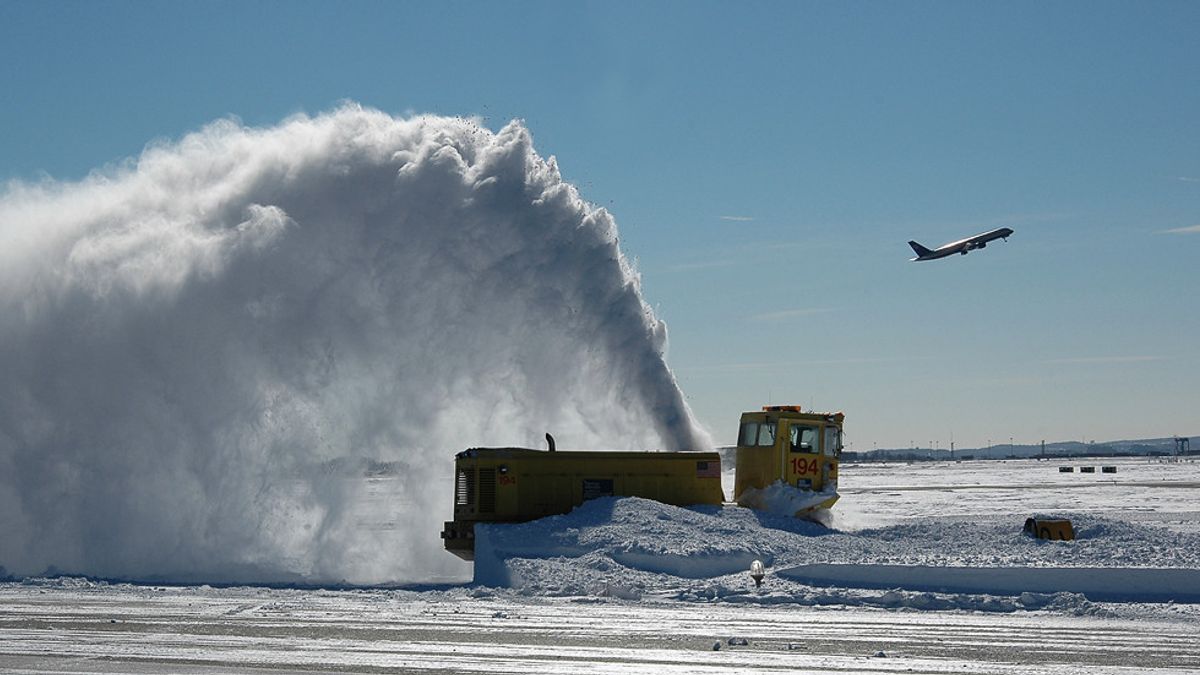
<point x="962" y="246"/>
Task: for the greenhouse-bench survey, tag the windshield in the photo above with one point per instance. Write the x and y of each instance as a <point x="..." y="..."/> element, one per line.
<point x="804" y="439"/>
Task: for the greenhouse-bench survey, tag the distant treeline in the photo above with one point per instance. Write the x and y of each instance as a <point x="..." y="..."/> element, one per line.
<point x="1157" y="447"/>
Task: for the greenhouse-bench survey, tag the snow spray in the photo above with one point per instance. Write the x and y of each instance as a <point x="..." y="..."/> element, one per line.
<point x="199" y="346"/>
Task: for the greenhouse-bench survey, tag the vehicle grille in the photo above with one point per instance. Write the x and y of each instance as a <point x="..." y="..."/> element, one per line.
<point x="487" y="490"/>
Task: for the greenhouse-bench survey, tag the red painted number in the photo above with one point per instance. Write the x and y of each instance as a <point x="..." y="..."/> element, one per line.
<point x="508" y="480"/>
<point x="800" y="466"/>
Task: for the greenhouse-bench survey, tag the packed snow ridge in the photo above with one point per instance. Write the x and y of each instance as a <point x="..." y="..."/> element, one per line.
<point x="632" y="547"/>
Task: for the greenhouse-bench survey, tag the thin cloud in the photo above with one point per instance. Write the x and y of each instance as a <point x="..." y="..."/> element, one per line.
<point x="708" y="265"/>
<point x="993" y="221"/>
<point x="777" y="366"/>
<point x="1013" y="381"/>
<point x="1188" y="179"/>
<point x="738" y="219"/>
<point x="760" y="247"/>
<point x="1044" y="217"/>
<point x="789" y="314"/>
<point x="1191" y="229"/>
<point x="1104" y="359"/>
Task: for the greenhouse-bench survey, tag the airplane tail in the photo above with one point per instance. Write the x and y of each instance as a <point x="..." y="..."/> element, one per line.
<point x="919" y="249"/>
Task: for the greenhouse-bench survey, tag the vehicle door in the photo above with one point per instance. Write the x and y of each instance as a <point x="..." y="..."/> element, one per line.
<point x="801" y="458"/>
<point x="831" y="448"/>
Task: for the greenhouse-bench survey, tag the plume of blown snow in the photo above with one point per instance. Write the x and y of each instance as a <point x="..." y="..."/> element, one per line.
<point x="192" y="342"/>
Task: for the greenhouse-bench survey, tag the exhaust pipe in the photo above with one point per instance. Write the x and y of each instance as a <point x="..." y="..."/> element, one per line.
<point x="550" y="441"/>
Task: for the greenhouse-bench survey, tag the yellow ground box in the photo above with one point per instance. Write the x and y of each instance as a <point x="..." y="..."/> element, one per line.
<point x="1050" y="528"/>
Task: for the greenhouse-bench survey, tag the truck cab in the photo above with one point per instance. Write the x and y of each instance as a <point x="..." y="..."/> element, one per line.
<point x="784" y="444"/>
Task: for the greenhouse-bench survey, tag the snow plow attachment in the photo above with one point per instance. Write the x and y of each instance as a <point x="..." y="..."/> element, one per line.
<point x="1050" y="528"/>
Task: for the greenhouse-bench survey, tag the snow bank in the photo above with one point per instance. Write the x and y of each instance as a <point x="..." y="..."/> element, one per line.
<point x="1113" y="584"/>
<point x="633" y="547"/>
<point x="631" y="533"/>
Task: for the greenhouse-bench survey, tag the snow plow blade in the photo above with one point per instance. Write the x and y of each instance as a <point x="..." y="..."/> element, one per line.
<point x="784" y="500"/>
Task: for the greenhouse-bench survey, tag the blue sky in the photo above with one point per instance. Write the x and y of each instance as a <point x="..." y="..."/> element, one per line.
<point x="766" y="163"/>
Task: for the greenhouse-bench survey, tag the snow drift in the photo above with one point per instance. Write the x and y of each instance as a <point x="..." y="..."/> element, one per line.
<point x="197" y="346"/>
<point x="632" y="547"/>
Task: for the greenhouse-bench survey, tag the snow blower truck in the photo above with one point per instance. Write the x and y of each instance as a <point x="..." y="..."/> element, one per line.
<point x="786" y="462"/>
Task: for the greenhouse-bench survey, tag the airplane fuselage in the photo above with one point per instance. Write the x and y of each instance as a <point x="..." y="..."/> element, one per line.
<point x="962" y="246"/>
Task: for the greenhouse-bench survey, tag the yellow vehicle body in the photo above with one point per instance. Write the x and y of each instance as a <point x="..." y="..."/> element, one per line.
<point x="518" y="484"/>
<point x="784" y="443"/>
<point x="779" y="444"/>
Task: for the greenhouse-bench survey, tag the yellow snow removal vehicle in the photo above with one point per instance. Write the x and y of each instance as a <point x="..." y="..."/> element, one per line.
<point x="785" y="446"/>
<point x="779" y="449"/>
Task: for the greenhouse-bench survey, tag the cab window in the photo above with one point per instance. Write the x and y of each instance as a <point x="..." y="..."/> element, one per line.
<point x="833" y="441"/>
<point x="766" y="434"/>
<point x="761" y="434"/>
<point x="804" y="439"/>
<point x="748" y="434"/>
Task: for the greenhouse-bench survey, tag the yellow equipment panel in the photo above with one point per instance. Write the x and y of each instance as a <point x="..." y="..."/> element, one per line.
<point x="519" y="484"/>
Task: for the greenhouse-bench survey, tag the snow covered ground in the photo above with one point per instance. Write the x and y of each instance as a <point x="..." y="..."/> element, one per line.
<point x="925" y="527"/>
<point x="923" y="569"/>
<point x="78" y="627"/>
<point x="1152" y="490"/>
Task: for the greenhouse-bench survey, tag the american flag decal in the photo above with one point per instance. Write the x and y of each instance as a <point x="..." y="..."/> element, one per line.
<point x="708" y="469"/>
